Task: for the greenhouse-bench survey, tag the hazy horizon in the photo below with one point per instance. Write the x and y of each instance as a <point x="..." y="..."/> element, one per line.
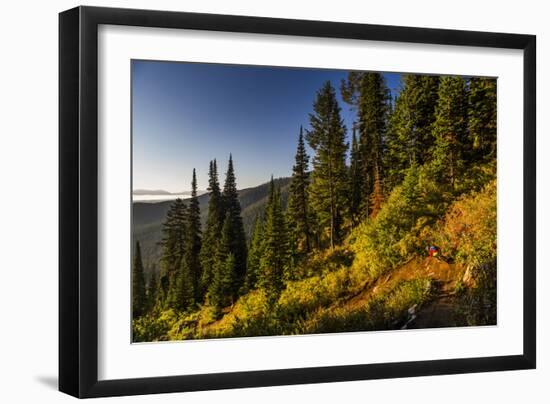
<point x="187" y="193"/>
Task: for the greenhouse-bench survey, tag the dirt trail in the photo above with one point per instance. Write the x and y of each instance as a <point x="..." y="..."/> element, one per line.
<point x="434" y="314"/>
<point x="443" y="275"/>
<point x="441" y="310"/>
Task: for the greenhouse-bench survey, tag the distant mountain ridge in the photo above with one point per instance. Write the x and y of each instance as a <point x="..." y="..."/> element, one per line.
<point x="148" y="216"/>
<point x="162" y="192"/>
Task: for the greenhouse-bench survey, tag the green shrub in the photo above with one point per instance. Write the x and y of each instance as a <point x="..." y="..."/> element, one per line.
<point x="303" y="296"/>
<point x="245" y="315"/>
<point x="468" y="232"/>
<point x="154" y="326"/>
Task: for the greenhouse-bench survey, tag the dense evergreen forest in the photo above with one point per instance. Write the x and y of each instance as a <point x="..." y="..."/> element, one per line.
<point x="394" y="229"/>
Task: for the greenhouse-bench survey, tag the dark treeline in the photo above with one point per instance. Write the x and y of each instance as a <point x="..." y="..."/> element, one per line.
<point x="445" y="124"/>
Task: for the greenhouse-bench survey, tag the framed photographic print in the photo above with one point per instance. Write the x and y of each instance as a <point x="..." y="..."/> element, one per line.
<point x="250" y="201"/>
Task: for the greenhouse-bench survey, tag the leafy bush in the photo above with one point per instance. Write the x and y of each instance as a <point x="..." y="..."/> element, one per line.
<point x="247" y="315"/>
<point x="303" y="296"/>
<point x="154" y="326"/>
<point x="468" y="231"/>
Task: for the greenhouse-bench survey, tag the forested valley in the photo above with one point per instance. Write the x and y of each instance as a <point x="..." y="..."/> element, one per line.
<point x="389" y="224"/>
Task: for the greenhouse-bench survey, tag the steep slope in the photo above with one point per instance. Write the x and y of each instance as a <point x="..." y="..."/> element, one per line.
<point x="340" y="290"/>
<point x="410" y="292"/>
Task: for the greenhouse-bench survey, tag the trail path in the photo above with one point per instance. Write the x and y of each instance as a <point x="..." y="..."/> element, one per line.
<point x="438" y="312"/>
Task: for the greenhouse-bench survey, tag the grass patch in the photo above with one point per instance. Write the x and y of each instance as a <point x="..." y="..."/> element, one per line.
<point x="385" y="311"/>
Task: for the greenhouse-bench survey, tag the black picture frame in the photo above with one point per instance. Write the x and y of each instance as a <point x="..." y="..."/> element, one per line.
<point x="78" y="201"/>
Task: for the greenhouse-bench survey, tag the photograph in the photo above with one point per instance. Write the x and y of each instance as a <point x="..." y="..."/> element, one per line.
<point x="278" y="201"/>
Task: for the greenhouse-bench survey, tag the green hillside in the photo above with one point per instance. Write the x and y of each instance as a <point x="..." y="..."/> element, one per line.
<point x="148" y="217"/>
<point x="339" y="290"/>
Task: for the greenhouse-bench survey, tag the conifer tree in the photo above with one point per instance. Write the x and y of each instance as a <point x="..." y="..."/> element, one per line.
<point x="298" y="204"/>
<point x="255" y="252"/>
<point x="183" y="293"/>
<point x="139" y="298"/>
<point x="152" y="290"/>
<point x="172" y="247"/>
<point x="275" y="256"/>
<point x="220" y="290"/>
<point x="377" y="196"/>
<point x="193" y="238"/>
<point x="449" y="130"/>
<point x="173" y="235"/>
<point x="293" y="253"/>
<point x="409" y="136"/>
<point x="212" y="233"/>
<point x="355" y="181"/>
<point x="398" y="157"/>
<point x="482" y="119"/>
<point x="232" y="208"/>
<point x="329" y="177"/>
<point x="163" y="289"/>
<point x="368" y="93"/>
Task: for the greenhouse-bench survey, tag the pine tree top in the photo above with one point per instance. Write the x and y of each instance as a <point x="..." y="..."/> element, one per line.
<point x="194" y="184"/>
<point x="213" y="182"/>
<point x="230" y="186"/>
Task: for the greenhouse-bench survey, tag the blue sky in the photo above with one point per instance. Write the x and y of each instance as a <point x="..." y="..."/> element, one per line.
<point x="186" y="114"/>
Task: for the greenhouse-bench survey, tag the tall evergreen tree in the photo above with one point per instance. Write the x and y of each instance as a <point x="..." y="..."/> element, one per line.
<point x="409" y="136"/>
<point x="212" y="233"/>
<point x="172" y="247"/>
<point x="398" y="156"/>
<point x="232" y="209"/>
<point x="173" y="235"/>
<point x="275" y="257"/>
<point x="482" y="118"/>
<point x="449" y="130"/>
<point x="293" y="253"/>
<point x="183" y="293"/>
<point x="220" y="289"/>
<point x="193" y="238"/>
<point x="329" y="178"/>
<point x="298" y="204"/>
<point x="355" y="181"/>
<point x="368" y="93"/>
<point x="152" y="290"/>
<point x="139" y="298"/>
<point x="255" y="252"/>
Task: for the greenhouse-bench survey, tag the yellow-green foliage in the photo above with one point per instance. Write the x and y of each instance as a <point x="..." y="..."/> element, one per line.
<point x="252" y="315"/>
<point x="469" y="230"/>
<point x="468" y="234"/>
<point x="397" y="231"/>
<point x="322" y="262"/>
<point x="154" y="326"/>
<point x="305" y="295"/>
<point x="384" y="311"/>
<point x="248" y="310"/>
<point x="335" y="280"/>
